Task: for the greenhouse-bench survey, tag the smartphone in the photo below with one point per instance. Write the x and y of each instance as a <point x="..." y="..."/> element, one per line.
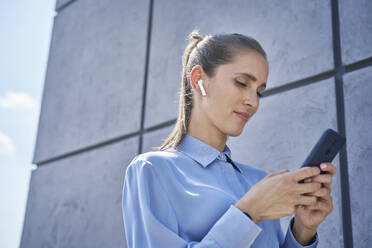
<point x="325" y="150"/>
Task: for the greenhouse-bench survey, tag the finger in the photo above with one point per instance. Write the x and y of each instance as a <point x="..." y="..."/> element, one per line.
<point x="328" y="167"/>
<point x="275" y="173"/>
<point x="322" y="205"/>
<point x="323" y="178"/>
<point x="303" y="173"/>
<point x="304" y="200"/>
<point x="327" y="186"/>
<point x="322" y="192"/>
<point x="304" y="188"/>
<point x="326" y="199"/>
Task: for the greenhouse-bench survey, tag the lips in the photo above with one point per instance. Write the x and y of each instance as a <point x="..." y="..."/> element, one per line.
<point x="242" y="115"/>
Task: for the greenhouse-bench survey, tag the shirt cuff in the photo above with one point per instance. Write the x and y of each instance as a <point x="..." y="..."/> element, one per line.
<point x="234" y="229"/>
<point x="290" y="240"/>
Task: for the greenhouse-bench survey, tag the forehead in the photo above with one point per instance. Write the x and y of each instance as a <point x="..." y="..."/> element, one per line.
<point x="248" y="62"/>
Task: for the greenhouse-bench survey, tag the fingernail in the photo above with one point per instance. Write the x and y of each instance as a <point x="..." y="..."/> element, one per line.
<point x="323" y="166"/>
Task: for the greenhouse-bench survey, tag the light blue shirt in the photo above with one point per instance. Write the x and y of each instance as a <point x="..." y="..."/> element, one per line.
<point x="186" y="197"/>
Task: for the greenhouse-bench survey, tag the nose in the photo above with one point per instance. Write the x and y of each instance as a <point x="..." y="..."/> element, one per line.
<point x="251" y="98"/>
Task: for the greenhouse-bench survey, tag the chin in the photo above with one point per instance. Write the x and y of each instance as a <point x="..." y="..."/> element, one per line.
<point x="235" y="133"/>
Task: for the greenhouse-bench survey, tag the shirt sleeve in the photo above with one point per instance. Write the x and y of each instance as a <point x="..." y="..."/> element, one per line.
<point x="291" y="242"/>
<point x="150" y="220"/>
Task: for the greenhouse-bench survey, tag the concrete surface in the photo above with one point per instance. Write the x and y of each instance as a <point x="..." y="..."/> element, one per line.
<point x="76" y="201"/>
<point x="356" y="30"/>
<point x="94" y="82"/>
<point x="358" y="110"/>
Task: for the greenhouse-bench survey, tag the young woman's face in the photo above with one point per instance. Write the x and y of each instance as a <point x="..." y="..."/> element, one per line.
<point x="234" y="89"/>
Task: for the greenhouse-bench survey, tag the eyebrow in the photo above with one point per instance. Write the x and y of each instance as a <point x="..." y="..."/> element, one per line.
<point x="251" y="77"/>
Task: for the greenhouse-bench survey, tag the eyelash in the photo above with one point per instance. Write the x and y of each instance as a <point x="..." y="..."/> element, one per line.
<point x="244" y="85"/>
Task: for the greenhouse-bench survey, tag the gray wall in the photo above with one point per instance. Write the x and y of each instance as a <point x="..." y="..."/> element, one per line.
<point x="111" y="92"/>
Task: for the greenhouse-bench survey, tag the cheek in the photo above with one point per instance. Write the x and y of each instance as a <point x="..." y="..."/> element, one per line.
<point x="217" y="108"/>
<point x="224" y="99"/>
<point x="222" y="104"/>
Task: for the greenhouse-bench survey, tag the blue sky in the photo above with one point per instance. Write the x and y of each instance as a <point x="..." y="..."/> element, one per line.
<point x="25" y="30"/>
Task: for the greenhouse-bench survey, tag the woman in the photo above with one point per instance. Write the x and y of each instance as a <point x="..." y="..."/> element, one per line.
<point x="190" y="193"/>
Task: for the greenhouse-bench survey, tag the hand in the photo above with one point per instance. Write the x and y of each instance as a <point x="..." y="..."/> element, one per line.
<point x="309" y="217"/>
<point x="278" y="194"/>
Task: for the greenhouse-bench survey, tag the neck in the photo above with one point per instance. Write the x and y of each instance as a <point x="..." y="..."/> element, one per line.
<point x="202" y="129"/>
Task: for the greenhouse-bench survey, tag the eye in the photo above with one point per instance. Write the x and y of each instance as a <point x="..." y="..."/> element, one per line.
<point x="244" y="85"/>
<point x="241" y="84"/>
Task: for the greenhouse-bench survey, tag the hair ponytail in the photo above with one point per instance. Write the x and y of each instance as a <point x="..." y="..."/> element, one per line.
<point x="185" y="102"/>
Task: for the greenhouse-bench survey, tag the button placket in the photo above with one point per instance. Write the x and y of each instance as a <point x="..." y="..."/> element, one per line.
<point x="233" y="177"/>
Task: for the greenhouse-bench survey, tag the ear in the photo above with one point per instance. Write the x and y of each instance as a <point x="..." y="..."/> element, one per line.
<point x="195" y="75"/>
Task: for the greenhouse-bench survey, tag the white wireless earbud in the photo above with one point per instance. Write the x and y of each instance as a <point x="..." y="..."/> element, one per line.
<point x="200" y="82"/>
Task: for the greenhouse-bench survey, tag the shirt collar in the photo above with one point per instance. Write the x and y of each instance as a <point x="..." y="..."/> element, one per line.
<point x="200" y="151"/>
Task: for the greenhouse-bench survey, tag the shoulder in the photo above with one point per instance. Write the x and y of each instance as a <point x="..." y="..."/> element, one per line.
<point x="155" y="157"/>
<point x="153" y="160"/>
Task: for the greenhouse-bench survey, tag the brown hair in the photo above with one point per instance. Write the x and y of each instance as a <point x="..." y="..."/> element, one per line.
<point x="209" y="52"/>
